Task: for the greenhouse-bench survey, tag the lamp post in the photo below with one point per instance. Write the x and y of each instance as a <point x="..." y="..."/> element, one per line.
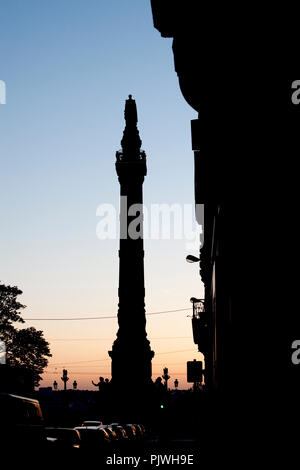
<point x="65" y="378"/>
<point x="166" y="377"/>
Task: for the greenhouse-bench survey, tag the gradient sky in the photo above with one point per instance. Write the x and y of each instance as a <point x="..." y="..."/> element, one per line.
<point x="69" y="65"/>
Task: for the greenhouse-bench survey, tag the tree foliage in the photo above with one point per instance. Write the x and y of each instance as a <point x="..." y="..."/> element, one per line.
<point x="25" y="347"/>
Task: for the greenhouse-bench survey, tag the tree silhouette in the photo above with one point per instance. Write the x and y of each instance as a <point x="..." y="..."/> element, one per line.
<point x="25" y="347"/>
<point x="9" y="307"/>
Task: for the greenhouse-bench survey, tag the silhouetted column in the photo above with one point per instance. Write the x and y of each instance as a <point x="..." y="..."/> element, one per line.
<point x="131" y="354"/>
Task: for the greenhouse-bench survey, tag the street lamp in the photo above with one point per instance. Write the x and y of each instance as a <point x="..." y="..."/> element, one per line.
<point x="195" y="301"/>
<point x="166" y="377"/>
<point x="192" y="259"/>
<point x="65" y="378"/>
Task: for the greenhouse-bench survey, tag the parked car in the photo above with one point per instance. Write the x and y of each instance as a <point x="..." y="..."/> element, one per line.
<point x="67" y="439"/>
<point x="20" y="410"/>
<point x="94" y="438"/>
<point x="110" y="431"/>
<point x="117" y="436"/>
<point x="143" y="429"/>
<point x="140" y="431"/>
<point x="22" y="424"/>
<point x="120" y="431"/>
<point x="130" y="431"/>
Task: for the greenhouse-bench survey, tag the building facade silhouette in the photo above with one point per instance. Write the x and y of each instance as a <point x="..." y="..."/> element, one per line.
<point x="245" y="142"/>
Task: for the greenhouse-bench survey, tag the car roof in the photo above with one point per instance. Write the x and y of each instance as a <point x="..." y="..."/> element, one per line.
<point x="90" y="421"/>
<point x="18" y="397"/>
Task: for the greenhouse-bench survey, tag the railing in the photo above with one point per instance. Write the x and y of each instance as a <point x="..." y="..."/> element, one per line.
<point x="121" y="158"/>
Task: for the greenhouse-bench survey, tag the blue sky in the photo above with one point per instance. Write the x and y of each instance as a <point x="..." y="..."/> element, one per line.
<point x="68" y="68"/>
